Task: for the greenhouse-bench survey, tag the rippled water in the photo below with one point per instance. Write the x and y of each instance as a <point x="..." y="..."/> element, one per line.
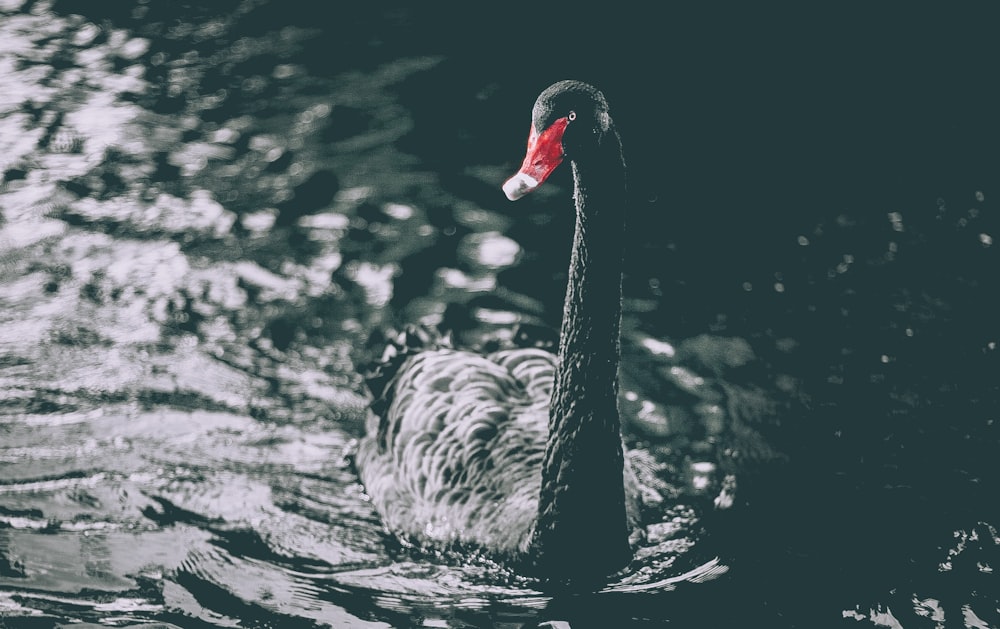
<point x="205" y="213"/>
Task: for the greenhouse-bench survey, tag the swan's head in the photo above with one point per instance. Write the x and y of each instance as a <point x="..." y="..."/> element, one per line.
<point x="569" y="119"/>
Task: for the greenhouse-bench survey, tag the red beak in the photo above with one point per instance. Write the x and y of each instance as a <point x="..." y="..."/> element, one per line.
<point x="545" y="152"/>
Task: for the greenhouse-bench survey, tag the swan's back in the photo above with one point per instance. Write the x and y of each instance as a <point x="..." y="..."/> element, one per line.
<point x="455" y="452"/>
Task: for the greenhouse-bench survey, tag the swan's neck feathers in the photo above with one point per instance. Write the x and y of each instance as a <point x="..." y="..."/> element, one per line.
<point x="581" y="531"/>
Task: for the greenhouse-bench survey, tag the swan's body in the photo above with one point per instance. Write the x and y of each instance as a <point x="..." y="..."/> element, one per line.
<point x="465" y="447"/>
<point x="519" y="452"/>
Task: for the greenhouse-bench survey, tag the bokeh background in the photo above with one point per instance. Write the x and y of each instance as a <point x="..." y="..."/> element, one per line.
<point x="210" y="212"/>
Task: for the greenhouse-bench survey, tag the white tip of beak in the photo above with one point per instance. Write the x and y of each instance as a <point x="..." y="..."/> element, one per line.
<point x="519" y="185"/>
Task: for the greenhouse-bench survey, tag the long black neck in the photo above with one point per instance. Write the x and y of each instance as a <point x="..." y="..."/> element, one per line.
<point x="581" y="532"/>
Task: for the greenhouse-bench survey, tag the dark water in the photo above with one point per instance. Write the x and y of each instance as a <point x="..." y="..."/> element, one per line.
<point x="206" y="212"/>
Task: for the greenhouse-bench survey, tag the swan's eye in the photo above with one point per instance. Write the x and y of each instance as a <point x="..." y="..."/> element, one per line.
<point x="572" y="116"/>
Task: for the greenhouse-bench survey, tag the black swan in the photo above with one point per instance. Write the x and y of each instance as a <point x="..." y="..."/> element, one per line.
<point x="519" y="452"/>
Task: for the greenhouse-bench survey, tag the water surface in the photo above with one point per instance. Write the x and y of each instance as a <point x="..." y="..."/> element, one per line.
<point x="206" y="213"/>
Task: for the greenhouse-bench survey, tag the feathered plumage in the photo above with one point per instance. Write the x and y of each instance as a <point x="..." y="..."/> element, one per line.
<point x="456" y="454"/>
